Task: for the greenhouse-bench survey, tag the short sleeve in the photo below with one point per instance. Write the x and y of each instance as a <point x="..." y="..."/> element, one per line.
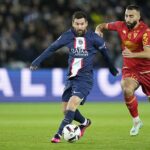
<point x="114" y="26"/>
<point x="146" y="38"/>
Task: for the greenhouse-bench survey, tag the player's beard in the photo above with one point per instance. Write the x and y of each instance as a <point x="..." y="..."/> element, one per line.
<point x="80" y="32"/>
<point x="131" y="25"/>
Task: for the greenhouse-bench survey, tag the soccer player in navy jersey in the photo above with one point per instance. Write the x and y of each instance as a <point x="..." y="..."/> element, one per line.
<point x="83" y="45"/>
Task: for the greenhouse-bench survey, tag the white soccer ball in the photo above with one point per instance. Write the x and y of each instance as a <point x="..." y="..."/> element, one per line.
<point x="71" y="133"/>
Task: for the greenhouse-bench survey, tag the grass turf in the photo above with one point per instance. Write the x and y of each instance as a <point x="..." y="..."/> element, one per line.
<point x="29" y="126"/>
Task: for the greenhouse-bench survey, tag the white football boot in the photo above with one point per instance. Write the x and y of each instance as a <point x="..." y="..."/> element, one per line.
<point x="136" y="127"/>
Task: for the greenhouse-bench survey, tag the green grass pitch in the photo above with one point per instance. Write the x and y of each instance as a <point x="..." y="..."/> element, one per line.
<point x="29" y="126"/>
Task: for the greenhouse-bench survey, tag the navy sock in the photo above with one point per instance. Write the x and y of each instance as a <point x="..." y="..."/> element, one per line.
<point x="78" y="117"/>
<point x="67" y="120"/>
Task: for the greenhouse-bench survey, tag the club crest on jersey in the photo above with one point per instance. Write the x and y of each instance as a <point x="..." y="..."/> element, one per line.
<point x="80" y="42"/>
<point x="124" y="31"/>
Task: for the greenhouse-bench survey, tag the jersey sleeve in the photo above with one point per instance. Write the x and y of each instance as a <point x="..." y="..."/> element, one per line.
<point x="99" y="42"/>
<point x="63" y="40"/>
<point x="101" y="47"/>
<point x="146" y="38"/>
<point x="114" y="26"/>
<point x="60" y="42"/>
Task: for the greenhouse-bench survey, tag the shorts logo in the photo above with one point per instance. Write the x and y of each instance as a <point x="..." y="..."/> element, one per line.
<point x="75" y="92"/>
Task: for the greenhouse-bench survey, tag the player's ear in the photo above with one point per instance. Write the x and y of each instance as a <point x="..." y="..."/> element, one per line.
<point x="86" y="23"/>
<point x="72" y="23"/>
<point x="139" y="15"/>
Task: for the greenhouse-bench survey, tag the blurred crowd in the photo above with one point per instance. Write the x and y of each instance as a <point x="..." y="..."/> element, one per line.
<point x="27" y="27"/>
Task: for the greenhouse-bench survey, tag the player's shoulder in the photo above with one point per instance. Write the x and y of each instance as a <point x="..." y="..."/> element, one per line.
<point x="94" y="38"/>
<point x="147" y="30"/>
<point x="117" y="22"/>
<point x="92" y="35"/>
<point x="68" y="33"/>
<point x="146" y="33"/>
<point x="144" y="27"/>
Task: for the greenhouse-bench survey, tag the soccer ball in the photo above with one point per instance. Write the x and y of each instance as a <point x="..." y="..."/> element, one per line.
<point x="71" y="133"/>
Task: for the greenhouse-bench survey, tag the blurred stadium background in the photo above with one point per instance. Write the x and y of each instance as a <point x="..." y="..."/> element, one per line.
<point x="27" y="27"/>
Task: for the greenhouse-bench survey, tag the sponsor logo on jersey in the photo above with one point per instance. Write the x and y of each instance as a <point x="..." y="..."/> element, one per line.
<point x="79" y="52"/>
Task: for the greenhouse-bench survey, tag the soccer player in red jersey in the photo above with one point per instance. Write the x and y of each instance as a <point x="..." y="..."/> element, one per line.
<point x="135" y="43"/>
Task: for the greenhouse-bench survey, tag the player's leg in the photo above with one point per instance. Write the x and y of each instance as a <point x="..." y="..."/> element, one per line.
<point x="129" y="85"/>
<point x="82" y="89"/>
<point x="84" y="122"/>
<point x="77" y="91"/>
<point x="64" y="106"/>
<point x="145" y="84"/>
<point x="78" y="116"/>
<point x="65" y="98"/>
<point x="72" y="105"/>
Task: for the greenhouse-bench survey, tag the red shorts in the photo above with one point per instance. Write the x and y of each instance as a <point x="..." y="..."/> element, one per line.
<point x="143" y="78"/>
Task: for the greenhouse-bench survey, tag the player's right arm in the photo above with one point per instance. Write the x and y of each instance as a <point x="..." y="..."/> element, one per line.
<point x="99" y="29"/>
<point x="60" y="42"/>
<point x="114" y="26"/>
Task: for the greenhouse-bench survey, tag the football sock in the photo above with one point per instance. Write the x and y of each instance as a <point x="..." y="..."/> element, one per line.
<point x="132" y="105"/>
<point x="136" y="119"/>
<point x="67" y="120"/>
<point x="85" y="122"/>
<point x="57" y="136"/>
<point x="78" y="117"/>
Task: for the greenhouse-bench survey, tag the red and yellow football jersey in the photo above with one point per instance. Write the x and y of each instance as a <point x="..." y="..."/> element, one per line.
<point x="134" y="40"/>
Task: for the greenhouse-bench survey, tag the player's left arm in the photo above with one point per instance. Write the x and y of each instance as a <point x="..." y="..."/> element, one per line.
<point x="143" y="54"/>
<point x="101" y="47"/>
<point x="146" y="48"/>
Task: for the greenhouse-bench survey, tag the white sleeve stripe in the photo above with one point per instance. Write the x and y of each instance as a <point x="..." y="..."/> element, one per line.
<point x="100" y="47"/>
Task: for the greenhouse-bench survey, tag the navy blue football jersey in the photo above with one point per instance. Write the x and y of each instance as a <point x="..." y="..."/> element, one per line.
<point x="81" y="51"/>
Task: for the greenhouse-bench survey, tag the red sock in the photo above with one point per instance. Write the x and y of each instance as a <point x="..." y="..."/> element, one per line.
<point x="132" y="105"/>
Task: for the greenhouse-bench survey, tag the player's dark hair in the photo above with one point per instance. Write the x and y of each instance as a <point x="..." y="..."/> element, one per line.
<point x="79" y="15"/>
<point x="133" y="7"/>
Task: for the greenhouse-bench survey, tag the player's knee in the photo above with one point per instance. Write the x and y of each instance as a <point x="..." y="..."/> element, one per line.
<point x="128" y="87"/>
<point x="128" y="91"/>
<point x="73" y="103"/>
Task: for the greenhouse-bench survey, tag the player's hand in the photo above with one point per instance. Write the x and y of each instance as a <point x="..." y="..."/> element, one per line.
<point x="127" y="53"/>
<point x="98" y="31"/>
<point x="113" y="71"/>
<point x="33" y="67"/>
